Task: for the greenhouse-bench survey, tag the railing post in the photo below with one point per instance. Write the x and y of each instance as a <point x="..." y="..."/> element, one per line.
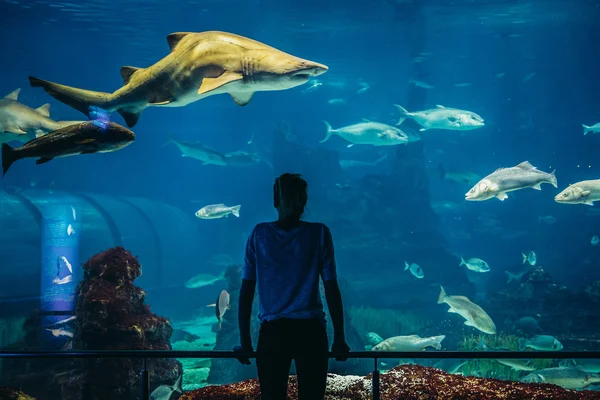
<point x="145" y="382"/>
<point x="375" y="381"/>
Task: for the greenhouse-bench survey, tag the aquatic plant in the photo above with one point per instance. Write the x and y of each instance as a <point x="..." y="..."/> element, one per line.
<point x="486" y="368"/>
<point x="386" y="322"/>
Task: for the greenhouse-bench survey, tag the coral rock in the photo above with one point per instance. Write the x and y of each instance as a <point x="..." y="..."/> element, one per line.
<point x="13" y="394"/>
<point x="410" y="382"/>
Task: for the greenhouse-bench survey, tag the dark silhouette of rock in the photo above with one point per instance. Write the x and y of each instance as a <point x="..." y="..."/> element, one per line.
<point x="13" y="394"/>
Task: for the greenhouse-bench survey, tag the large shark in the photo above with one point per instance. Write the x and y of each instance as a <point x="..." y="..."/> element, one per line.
<point x="21" y="123"/>
<point x="199" y="65"/>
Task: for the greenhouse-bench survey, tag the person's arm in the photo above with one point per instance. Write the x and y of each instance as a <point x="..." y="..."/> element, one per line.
<point x="333" y="294"/>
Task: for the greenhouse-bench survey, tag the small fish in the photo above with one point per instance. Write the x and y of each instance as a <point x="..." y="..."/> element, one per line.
<point x="337" y="102"/>
<point x="60" y="261"/>
<point x="499" y="74"/>
<point x="206" y="154"/>
<point x="70" y="230"/>
<point x="528" y="325"/>
<point x="414" y="269"/>
<point x="462" y="84"/>
<point x="215" y="211"/>
<point x="584" y="192"/>
<point x="595" y="240"/>
<point x="241" y="159"/>
<point x="529" y="77"/>
<point x="409" y="343"/>
<point x="348" y="164"/>
<point x="221" y="306"/>
<point x="568" y="378"/>
<point x="531" y="258"/>
<point x="82" y="138"/>
<point x="517" y="364"/>
<point x="515" y="277"/>
<point x="452" y="366"/>
<point x="421" y="84"/>
<point x="548" y="219"/>
<point x="504" y="180"/>
<point x="74" y="212"/>
<point x="591" y="129"/>
<point x="364" y="88"/>
<point x="60" y="332"/>
<point x="313" y="87"/>
<point x="202" y="280"/>
<point x="541" y="342"/>
<point x="475" y="264"/>
<point x="474" y="315"/>
<point x="373" y="133"/>
<point x="65" y="280"/>
<point x="164" y="392"/>
<point x="442" y="117"/>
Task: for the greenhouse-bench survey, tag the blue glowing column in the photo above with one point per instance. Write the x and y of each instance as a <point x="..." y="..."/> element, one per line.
<point x="59" y="276"/>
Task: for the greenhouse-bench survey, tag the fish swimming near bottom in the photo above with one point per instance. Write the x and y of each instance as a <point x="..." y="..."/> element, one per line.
<point x="165" y="392"/>
<point x="504" y="180"/>
<point x="452" y="366"/>
<point x="83" y="138"/>
<point x="566" y="377"/>
<point x="409" y="343"/>
<point x="515" y="277"/>
<point x="541" y="343"/>
<point x="517" y="364"/>
<point x="584" y="192"/>
<point x="474" y="315"/>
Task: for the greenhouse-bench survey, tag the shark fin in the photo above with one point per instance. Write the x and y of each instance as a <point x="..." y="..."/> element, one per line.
<point x="131" y="117"/>
<point x="210" y="84"/>
<point x="241" y="99"/>
<point x="127" y="73"/>
<point x="14" y="95"/>
<point x="44" y="110"/>
<point x="43" y="160"/>
<point x="174" y="38"/>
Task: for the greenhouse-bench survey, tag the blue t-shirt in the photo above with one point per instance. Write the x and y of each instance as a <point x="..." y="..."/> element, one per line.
<point x="287" y="266"/>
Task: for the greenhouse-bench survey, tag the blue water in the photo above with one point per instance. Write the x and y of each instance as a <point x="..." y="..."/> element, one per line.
<point x="532" y="74"/>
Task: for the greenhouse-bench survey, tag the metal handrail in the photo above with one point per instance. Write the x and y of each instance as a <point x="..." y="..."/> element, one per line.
<point x="375" y="355"/>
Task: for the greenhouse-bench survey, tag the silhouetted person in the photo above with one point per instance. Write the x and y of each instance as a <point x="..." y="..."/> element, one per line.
<point x="286" y="258"/>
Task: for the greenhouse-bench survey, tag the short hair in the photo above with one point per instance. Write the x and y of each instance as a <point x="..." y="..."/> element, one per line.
<point x="290" y="194"/>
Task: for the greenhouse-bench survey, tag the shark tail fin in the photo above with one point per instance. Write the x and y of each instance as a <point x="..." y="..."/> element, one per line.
<point x="403" y="114"/>
<point x="9" y="156"/>
<point x="79" y="99"/>
<point x="168" y="141"/>
<point x="436" y="341"/>
<point x="524" y="257"/>
<point x="330" y="131"/>
<point x="586" y="129"/>
<point x="235" y="210"/>
<point x="406" y="266"/>
<point x="462" y="262"/>
<point x="442" y="295"/>
<point x="522" y="344"/>
<point x="177" y="386"/>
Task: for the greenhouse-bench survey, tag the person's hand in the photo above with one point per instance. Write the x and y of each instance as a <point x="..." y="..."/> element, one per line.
<point x="240" y="349"/>
<point x="340" y="346"/>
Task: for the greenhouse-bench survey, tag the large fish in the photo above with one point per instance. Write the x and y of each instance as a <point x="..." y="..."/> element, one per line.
<point x="215" y="211"/>
<point x="21" y="123"/>
<point x="584" y="192"/>
<point x="503" y="180"/>
<point x="473" y="314"/>
<point x="443" y="118"/>
<point x="199" y="65"/>
<point x="241" y="158"/>
<point x="409" y="343"/>
<point x="373" y="133"/>
<point x="207" y="155"/>
<point x="567" y="377"/>
<point x="82" y="138"/>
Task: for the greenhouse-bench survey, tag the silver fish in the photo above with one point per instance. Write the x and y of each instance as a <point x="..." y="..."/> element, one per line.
<point x="541" y="343"/>
<point x="475" y="264"/>
<point x="164" y="392"/>
<point x="416" y="270"/>
<point x="373" y="133"/>
<point x="567" y="377"/>
<point x="409" y="343"/>
<point x="221" y="306"/>
<point x="442" y="117"/>
<point x="503" y="180"/>
<point x="215" y="211"/>
<point x="201" y="152"/>
<point x="202" y="280"/>
<point x="584" y="192"/>
<point x="531" y="258"/>
<point x="474" y="315"/>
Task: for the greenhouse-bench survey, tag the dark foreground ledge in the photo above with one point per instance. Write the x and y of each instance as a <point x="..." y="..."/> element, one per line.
<point x="406" y="382"/>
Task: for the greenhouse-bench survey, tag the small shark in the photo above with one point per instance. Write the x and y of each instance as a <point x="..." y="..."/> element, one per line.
<point x="21" y="123"/>
<point x="199" y="65"/>
<point x="200" y="152"/>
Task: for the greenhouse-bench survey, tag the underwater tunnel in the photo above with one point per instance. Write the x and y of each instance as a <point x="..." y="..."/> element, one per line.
<point x="37" y="225"/>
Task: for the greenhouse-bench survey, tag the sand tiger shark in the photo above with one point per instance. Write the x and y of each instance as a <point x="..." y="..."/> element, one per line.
<point x="21" y="123"/>
<point x="199" y="65"/>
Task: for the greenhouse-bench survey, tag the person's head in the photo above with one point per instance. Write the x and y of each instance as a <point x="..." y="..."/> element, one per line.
<point x="290" y="194"/>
